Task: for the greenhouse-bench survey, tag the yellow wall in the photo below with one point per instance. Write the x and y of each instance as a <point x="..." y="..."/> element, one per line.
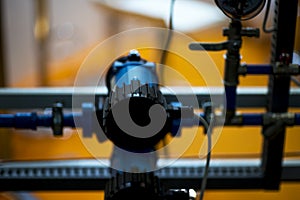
<point x="234" y="140"/>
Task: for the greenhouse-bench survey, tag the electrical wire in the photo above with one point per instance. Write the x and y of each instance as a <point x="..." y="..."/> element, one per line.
<point x="208" y="156"/>
<point x="169" y="37"/>
<point x="165" y="50"/>
<point x="265" y="29"/>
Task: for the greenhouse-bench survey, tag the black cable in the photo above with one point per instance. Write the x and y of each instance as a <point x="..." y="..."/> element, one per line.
<point x="265" y="29"/>
<point x="169" y="37"/>
<point x="171" y="14"/>
<point x="203" y="121"/>
<point x="208" y="156"/>
<point x="167" y="45"/>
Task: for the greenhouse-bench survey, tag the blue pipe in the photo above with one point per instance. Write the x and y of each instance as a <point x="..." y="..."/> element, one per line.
<point x="252" y="119"/>
<point x="33" y="120"/>
<point x="248" y="119"/>
<point x="257" y="119"/>
<point x="70" y="118"/>
<point x="259" y="69"/>
<point x="6" y="120"/>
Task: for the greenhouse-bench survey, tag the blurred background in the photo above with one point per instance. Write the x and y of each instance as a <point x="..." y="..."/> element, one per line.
<point x="44" y="42"/>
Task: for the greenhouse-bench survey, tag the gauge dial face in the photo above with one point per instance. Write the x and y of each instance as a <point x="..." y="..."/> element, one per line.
<point x="241" y="9"/>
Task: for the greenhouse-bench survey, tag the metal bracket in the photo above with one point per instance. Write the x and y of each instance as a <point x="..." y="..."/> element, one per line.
<point x="57" y="119"/>
<point x="281" y="68"/>
<point x="288" y="119"/>
<point x="274" y="123"/>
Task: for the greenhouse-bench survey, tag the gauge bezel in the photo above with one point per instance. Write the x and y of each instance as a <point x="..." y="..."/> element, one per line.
<point x="251" y="8"/>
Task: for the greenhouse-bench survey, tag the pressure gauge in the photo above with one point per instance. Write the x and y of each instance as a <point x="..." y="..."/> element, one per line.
<point x="241" y="9"/>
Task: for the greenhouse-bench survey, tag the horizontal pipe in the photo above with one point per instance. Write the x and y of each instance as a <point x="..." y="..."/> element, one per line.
<point x="245" y="119"/>
<point x="259" y="69"/>
<point x="6" y="120"/>
<point x="267" y="69"/>
<point x="208" y="46"/>
<point x="33" y="120"/>
<point x="252" y="119"/>
<point x="70" y="118"/>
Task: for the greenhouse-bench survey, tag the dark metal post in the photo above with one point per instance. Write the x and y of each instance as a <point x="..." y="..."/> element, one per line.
<point x="232" y="63"/>
<point x="279" y="86"/>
